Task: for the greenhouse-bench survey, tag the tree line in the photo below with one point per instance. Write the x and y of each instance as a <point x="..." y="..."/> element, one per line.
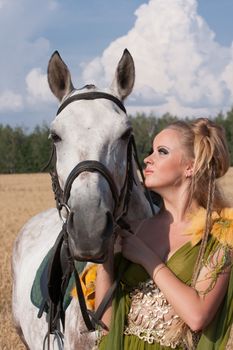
<point x="23" y="152"/>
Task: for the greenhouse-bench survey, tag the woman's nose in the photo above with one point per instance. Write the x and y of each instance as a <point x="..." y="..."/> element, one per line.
<point x="148" y="160"/>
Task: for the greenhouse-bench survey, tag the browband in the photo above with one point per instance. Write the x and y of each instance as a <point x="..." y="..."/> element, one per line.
<point x="93" y="95"/>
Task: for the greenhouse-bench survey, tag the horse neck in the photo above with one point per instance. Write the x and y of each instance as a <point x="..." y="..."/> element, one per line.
<point x="139" y="207"/>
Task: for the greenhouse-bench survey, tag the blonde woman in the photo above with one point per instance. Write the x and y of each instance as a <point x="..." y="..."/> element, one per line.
<point x="177" y="291"/>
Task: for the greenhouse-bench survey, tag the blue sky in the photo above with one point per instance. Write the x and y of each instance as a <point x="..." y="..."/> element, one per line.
<point x="182" y="49"/>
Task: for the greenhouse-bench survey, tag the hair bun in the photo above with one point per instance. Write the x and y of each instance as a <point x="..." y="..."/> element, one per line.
<point x="205" y="128"/>
<point x="210" y="147"/>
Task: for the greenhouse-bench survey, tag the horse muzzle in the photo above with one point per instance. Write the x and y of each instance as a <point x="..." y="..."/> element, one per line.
<point x="89" y="238"/>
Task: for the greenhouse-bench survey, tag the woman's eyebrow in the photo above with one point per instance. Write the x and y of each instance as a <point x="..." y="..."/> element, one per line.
<point x="161" y="145"/>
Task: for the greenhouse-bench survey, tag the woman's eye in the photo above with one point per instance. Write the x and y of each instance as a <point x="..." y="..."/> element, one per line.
<point x="163" y="151"/>
<point x="54" y="137"/>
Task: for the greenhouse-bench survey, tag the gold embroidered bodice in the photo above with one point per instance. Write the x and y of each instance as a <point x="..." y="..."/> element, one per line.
<point x="149" y="317"/>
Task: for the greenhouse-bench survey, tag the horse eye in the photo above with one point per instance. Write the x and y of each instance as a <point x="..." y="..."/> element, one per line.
<point x="54" y="137"/>
<point x="126" y="134"/>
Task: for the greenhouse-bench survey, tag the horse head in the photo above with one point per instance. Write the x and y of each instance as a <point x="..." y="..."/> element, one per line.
<point x="91" y="134"/>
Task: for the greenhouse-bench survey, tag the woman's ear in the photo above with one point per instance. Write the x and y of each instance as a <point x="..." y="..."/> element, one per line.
<point x="189" y="169"/>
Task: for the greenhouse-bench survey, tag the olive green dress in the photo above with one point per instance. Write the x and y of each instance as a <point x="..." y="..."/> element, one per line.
<point x="214" y="337"/>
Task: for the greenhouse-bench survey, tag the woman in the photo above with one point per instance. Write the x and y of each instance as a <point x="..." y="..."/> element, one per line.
<point x="176" y="293"/>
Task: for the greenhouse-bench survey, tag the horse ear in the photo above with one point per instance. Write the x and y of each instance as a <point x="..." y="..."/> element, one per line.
<point x="59" y="78"/>
<point x="123" y="82"/>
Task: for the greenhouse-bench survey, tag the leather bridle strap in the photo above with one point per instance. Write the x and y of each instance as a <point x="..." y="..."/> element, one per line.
<point x="90" y="166"/>
<point x="92" y="95"/>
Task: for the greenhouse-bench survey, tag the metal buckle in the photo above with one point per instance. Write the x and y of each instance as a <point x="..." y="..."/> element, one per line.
<point x="61" y="206"/>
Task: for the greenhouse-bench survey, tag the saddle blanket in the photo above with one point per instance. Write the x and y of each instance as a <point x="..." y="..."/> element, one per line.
<point x="39" y="288"/>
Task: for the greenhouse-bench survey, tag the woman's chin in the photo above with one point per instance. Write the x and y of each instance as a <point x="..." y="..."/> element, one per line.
<point x="149" y="181"/>
<point x="150" y="185"/>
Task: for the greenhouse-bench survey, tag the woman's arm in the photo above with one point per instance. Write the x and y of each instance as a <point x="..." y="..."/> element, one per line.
<point x="196" y="308"/>
<point x="104" y="281"/>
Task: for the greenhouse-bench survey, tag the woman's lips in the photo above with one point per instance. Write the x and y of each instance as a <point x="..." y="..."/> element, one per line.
<point x="148" y="172"/>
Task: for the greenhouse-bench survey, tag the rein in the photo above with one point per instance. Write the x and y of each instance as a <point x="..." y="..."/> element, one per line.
<point x="62" y="253"/>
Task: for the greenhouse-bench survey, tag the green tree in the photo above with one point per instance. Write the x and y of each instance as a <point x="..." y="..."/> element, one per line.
<point x="11" y="143"/>
<point x="21" y="152"/>
<point x="40" y="147"/>
<point x="227" y="122"/>
<point x="144" y="129"/>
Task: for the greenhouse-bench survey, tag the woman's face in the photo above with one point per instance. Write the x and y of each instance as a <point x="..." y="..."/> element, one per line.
<point x="167" y="166"/>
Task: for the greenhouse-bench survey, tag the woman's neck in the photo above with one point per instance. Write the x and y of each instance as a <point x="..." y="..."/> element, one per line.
<point x="178" y="205"/>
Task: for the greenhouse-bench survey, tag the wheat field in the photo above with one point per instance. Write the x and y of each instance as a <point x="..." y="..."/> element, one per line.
<point x="23" y="196"/>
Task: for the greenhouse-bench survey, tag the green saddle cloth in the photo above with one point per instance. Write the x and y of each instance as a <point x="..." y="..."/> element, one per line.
<point x="37" y="291"/>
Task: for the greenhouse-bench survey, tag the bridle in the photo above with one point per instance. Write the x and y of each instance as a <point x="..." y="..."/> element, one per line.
<point x="62" y="197"/>
<point x="121" y="200"/>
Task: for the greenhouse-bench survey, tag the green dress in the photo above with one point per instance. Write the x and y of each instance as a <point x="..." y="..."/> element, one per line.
<point x="214" y="337"/>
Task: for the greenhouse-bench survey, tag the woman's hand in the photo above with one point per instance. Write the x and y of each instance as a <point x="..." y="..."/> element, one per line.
<point x="135" y="250"/>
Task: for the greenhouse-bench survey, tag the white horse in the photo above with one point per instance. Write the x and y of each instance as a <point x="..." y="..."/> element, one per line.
<point x="99" y="130"/>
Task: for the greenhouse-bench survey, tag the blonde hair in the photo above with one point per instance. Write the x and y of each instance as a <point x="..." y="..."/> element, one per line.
<point x="204" y="141"/>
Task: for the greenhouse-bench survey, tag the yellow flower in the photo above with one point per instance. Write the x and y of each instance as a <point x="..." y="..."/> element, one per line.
<point x="222" y="227"/>
<point x="196" y="226"/>
<point x="87" y="279"/>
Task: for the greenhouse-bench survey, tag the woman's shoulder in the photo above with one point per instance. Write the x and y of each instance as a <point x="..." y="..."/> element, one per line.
<point x="222" y="226"/>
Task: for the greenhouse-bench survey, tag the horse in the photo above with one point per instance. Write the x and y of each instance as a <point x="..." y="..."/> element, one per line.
<point x="91" y="127"/>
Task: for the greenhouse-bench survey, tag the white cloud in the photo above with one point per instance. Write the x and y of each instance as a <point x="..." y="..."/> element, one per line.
<point x="37" y="87"/>
<point x="94" y="71"/>
<point x="25" y="45"/>
<point x="227" y="75"/>
<point x="10" y="101"/>
<point x="180" y="67"/>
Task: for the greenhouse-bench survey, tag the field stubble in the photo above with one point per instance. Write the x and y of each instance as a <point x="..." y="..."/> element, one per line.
<point x="23" y="196"/>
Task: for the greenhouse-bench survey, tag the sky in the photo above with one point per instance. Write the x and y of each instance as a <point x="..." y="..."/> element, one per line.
<point x="182" y="49"/>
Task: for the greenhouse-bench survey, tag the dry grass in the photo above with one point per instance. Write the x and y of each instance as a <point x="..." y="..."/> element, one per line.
<point x="22" y="196"/>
